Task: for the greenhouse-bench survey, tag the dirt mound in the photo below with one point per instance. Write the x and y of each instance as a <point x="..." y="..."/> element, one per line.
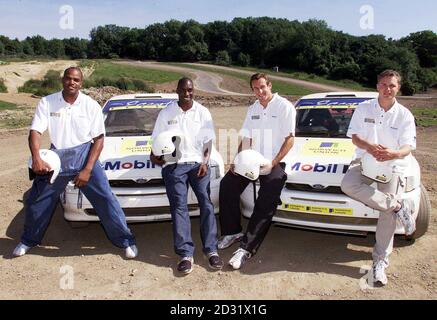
<point x="17" y="73"/>
<point x="103" y="94"/>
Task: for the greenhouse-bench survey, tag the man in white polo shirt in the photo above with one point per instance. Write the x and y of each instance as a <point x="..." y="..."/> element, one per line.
<point x="269" y="129"/>
<point x="386" y="130"/>
<point x="194" y="121"/>
<point x="75" y="125"/>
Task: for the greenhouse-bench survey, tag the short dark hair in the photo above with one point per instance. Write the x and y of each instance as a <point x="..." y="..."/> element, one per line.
<point x="184" y="80"/>
<point x="390" y="73"/>
<point x="73" y="68"/>
<point x="258" y="76"/>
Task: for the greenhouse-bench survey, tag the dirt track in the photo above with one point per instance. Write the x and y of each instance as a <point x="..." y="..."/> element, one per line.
<point x="207" y="82"/>
<point x="291" y="264"/>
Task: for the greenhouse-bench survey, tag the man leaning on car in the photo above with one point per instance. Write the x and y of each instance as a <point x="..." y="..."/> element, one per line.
<point x="386" y="130"/>
<point x="194" y="122"/>
<point x="76" y="129"/>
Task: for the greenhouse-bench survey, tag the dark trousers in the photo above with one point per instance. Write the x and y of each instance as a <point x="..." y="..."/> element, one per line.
<point x="266" y="203"/>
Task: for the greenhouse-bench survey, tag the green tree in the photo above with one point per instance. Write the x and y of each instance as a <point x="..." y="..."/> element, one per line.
<point x="27" y="47"/>
<point x="192" y="45"/>
<point x="106" y="40"/>
<point x="76" y="48"/>
<point x="55" y="48"/>
<point x="424" y="43"/>
<point x="2" y="48"/>
<point x="39" y="45"/>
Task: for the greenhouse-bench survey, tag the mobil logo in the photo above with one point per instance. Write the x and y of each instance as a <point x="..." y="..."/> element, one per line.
<point x="119" y="165"/>
<point x="319" y="168"/>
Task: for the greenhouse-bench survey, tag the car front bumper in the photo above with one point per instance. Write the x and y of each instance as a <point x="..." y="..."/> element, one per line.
<point x="323" y="211"/>
<point x="139" y="204"/>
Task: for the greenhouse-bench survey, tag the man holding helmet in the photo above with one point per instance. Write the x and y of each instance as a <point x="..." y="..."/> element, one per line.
<point x="384" y="132"/>
<point x="75" y="125"/>
<point x="269" y="130"/>
<point x="182" y="145"/>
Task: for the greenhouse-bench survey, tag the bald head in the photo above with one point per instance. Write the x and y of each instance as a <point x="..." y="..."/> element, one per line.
<point x="183" y="81"/>
<point x="185" y="92"/>
<point x="71" y="69"/>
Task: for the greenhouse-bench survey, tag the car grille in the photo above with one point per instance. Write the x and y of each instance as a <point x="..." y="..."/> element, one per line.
<point x="308" y="188"/>
<point x="136" y="184"/>
<point x="149" y="211"/>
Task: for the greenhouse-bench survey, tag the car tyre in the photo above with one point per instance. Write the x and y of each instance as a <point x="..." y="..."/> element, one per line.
<point x="423" y="217"/>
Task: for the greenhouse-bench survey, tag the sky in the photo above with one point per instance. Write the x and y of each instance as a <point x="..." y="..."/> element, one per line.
<point x="69" y="18"/>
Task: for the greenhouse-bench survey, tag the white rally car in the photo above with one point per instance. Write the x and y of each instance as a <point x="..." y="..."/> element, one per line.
<point x="312" y="197"/>
<point x="135" y="181"/>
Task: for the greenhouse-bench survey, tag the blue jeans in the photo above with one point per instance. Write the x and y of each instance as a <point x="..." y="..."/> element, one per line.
<point x="44" y="197"/>
<point x="177" y="178"/>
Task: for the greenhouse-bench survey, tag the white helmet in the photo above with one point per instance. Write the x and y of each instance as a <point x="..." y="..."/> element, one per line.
<point x="248" y="163"/>
<point x="52" y="159"/>
<point x="380" y="171"/>
<point x="167" y="144"/>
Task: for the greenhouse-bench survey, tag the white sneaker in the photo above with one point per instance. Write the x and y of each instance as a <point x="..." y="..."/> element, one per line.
<point x="239" y="258"/>
<point x="20" y="250"/>
<point x="131" y="252"/>
<point x="405" y="215"/>
<point x="229" y="240"/>
<point x="378" y="270"/>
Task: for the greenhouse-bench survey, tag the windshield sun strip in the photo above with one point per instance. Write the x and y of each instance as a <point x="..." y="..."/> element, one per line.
<point x="137" y="107"/>
<point x="327" y="107"/>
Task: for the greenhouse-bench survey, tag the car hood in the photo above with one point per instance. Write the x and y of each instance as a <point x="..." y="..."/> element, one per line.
<point x="128" y="158"/>
<point x="319" y="162"/>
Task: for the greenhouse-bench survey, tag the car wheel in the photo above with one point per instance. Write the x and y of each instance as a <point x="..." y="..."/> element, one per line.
<point x="424" y="215"/>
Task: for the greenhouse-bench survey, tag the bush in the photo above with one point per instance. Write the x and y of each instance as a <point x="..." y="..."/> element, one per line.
<point x="243" y="59"/>
<point x="408" y="88"/>
<point x="2" y="86"/>
<point x="120" y="83"/>
<point x="50" y="84"/>
<point x="124" y="84"/>
<point x="223" y="58"/>
<point x="141" y="85"/>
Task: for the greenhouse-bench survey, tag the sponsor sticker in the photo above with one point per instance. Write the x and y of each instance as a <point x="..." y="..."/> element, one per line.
<point x="316" y="209"/>
<point x="136" y="146"/>
<point x="314" y="148"/>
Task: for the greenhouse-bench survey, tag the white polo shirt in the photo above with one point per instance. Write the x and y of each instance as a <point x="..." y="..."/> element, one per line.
<point x="195" y="124"/>
<point x="69" y="125"/>
<point x="268" y="127"/>
<point x="392" y="129"/>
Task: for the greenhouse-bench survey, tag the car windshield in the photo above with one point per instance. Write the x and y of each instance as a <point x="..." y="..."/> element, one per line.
<point x="130" y="122"/>
<point x="325" y="118"/>
<point x="133" y="116"/>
